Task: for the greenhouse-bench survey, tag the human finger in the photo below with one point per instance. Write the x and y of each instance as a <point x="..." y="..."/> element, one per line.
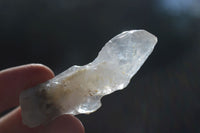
<point x="12" y="123"/>
<point x="16" y="79"/>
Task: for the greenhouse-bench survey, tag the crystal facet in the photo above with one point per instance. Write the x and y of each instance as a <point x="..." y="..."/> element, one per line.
<point x="80" y="88"/>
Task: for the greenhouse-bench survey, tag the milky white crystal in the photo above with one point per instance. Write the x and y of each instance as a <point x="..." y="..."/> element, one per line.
<point x="79" y="89"/>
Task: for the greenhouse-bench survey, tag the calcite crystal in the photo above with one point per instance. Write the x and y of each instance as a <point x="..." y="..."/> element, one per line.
<point x="79" y="89"/>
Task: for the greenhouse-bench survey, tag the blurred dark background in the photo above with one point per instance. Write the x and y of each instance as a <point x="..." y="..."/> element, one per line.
<point x="163" y="96"/>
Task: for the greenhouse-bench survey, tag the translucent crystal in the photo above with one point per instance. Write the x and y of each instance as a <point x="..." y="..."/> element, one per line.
<point x="80" y="88"/>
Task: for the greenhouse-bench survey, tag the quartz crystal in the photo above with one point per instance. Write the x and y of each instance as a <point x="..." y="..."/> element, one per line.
<point x="79" y="89"/>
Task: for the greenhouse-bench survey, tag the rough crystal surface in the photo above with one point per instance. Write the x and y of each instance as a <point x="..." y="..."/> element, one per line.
<point x="80" y="88"/>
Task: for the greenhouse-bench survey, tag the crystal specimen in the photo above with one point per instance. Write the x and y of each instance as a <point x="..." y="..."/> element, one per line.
<point x="80" y="88"/>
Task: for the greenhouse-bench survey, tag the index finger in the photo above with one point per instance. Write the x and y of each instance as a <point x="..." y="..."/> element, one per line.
<point x="16" y="79"/>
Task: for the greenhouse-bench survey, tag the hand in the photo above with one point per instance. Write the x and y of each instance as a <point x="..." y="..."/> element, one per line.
<point x="12" y="82"/>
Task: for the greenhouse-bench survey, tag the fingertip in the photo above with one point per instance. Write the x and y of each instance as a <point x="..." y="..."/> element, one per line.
<point x="64" y="124"/>
<point x="39" y="68"/>
<point x="28" y="70"/>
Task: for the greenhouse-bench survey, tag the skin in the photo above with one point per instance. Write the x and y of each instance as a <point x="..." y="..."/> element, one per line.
<point x="12" y="82"/>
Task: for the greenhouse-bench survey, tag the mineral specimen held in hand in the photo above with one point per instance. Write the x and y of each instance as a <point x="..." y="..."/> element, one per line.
<point x="79" y="89"/>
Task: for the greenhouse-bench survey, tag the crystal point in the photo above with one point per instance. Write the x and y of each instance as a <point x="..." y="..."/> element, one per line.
<point x="79" y="89"/>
